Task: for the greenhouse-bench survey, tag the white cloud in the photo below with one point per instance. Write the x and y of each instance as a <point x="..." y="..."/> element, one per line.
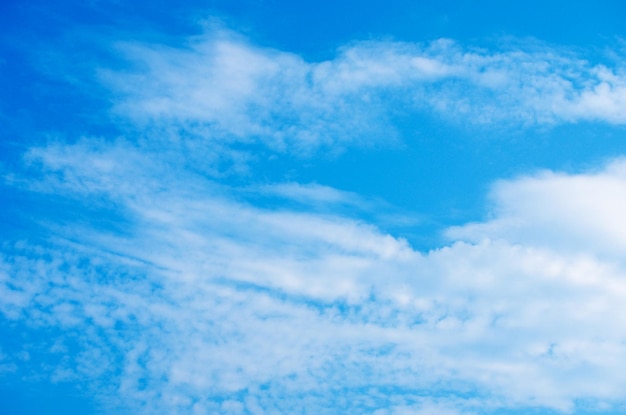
<point x="223" y="88"/>
<point x="578" y="212"/>
<point x="206" y="303"/>
<point x="210" y="304"/>
<point x="311" y="193"/>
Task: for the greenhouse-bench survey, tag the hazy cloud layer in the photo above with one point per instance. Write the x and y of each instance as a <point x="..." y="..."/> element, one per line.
<point x="222" y="84"/>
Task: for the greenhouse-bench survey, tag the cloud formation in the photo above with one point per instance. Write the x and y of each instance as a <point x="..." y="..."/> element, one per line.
<point x="178" y="293"/>
<point x="286" y="310"/>
<point x="571" y="212"/>
<point x="229" y="89"/>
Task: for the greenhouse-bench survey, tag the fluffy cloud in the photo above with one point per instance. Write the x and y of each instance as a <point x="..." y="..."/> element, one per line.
<point x="577" y="212"/>
<point x="210" y="304"/>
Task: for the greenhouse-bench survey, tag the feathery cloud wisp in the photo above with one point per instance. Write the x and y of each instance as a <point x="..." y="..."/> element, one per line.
<point x="231" y="90"/>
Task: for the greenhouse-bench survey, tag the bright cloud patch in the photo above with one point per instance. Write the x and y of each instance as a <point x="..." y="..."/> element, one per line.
<point x="209" y="304"/>
<point x="574" y="212"/>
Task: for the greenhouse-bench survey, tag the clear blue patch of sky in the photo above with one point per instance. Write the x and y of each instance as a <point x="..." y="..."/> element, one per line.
<point x="315" y="28"/>
<point x="25" y="390"/>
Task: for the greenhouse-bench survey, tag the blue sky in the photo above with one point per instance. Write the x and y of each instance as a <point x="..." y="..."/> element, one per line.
<point x="269" y="207"/>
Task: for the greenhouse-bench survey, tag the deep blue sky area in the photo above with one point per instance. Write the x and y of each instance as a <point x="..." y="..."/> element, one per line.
<point x="263" y="206"/>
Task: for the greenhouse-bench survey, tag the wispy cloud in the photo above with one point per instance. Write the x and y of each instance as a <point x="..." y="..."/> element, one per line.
<point x="229" y="89"/>
<point x="311" y="193"/>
